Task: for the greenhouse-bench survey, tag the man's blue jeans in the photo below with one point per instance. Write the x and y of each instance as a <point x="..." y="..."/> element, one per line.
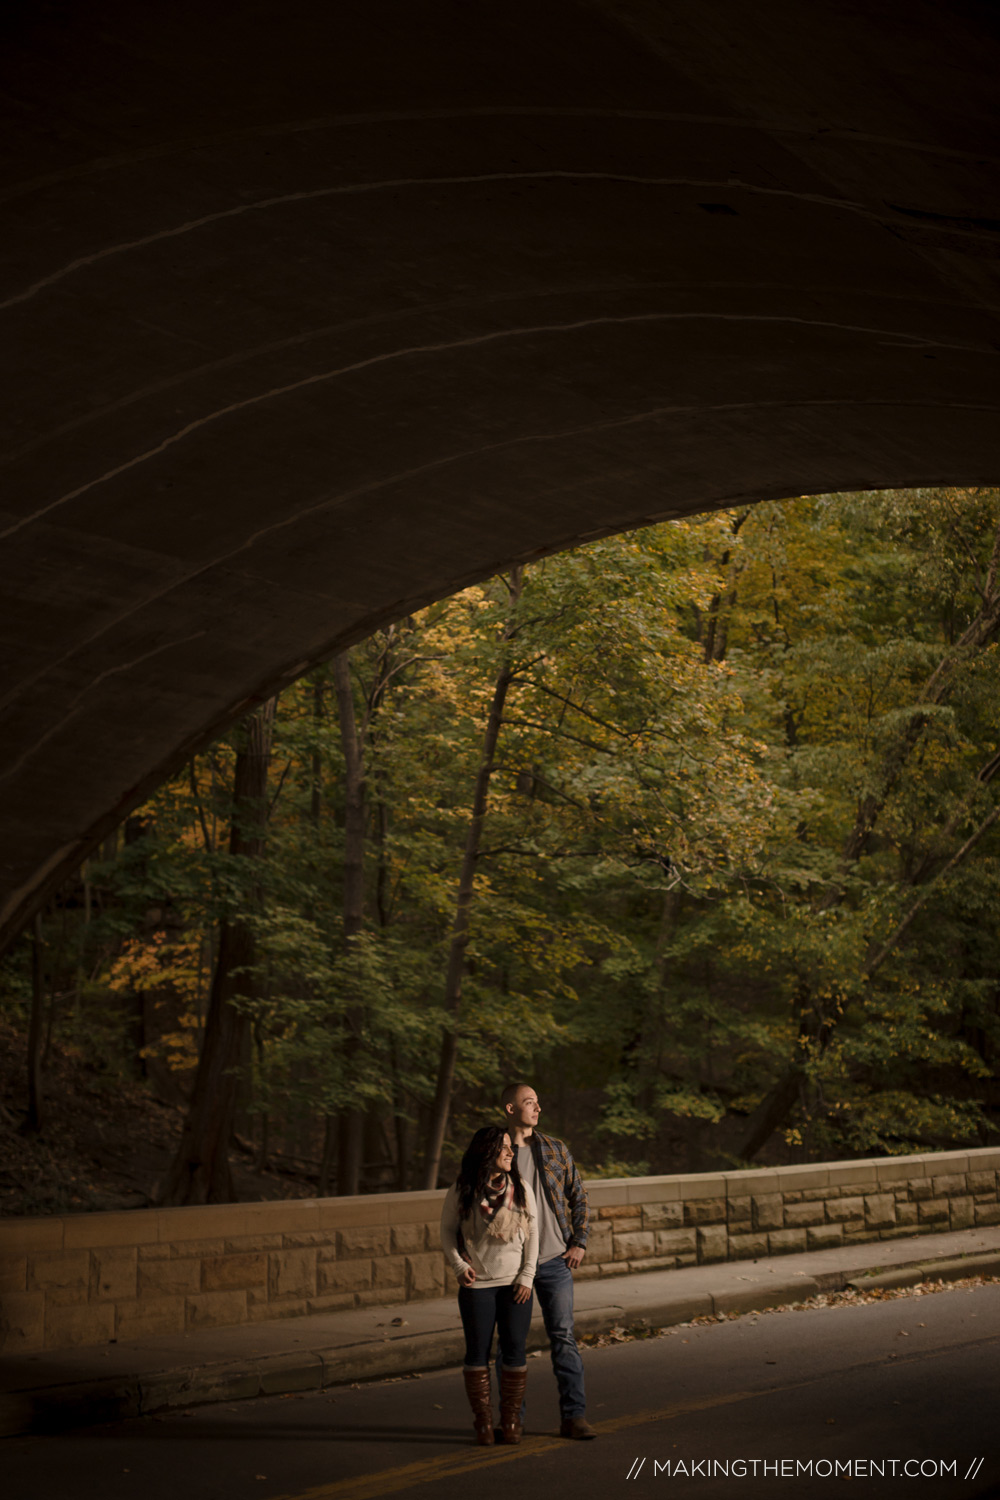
<point x="554" y="1291"/>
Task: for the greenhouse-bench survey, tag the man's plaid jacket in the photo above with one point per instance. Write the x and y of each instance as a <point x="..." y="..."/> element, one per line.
<point x="563" y="1186"/>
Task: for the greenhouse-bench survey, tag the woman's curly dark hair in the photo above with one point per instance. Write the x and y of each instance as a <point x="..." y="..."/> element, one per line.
<point x="477" y="1164"/>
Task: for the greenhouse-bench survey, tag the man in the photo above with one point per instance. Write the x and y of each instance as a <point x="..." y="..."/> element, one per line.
<point x="563" y="1215"/>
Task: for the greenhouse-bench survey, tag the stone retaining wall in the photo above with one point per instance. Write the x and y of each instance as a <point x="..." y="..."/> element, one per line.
<point x="680" y="1221"/>
<point x="90" y="1278"/>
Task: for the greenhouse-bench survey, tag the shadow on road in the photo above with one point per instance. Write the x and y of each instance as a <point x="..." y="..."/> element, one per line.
<point x="153" y="1429"/>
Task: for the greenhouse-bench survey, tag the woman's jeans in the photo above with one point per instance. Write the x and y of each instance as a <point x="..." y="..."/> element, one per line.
<point x="554" y="1290"/>
<point x="489" y="1307"/>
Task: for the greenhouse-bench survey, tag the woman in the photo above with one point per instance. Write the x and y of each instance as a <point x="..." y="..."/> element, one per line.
<point x="489" y="1229"/>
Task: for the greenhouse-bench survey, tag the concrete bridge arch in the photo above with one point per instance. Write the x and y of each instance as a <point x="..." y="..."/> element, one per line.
<point x="315" y="314"/>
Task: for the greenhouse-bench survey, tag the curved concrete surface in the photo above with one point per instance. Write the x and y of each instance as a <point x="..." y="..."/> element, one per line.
<point x="315" y="312"/>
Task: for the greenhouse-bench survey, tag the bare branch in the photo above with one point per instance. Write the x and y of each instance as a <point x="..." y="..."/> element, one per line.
<point x="956" y="532"/>
<point x="586" y="714"/>
<point x="928" y="891"/>
<point x="201" y="811"/>
<point x="278" y="788"/>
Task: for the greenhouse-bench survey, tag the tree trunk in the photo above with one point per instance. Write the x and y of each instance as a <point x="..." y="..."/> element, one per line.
<point x="402" y="1128"/>
<point x="354" y="800"/>
<point x="264" y="1142"/>
<point x="133" y="1000"/>
<point x="326" y="1160"/>
<point x="773" y="1111"/>
<point x="33" y="1119"/>
<point x="201" y="1172"/>
<point x="350" y="1141"/>
<point x="721" y="606"/>
<point x="262" y="1159"/>
<point x="316" y="767"/>
<point x="350" y="1122"/>
<point x="463" y="904"/>
<point x="50" y="1028"/>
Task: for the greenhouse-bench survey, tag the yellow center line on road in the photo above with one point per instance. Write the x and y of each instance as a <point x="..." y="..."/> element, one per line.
<point x="433" y="1470"/>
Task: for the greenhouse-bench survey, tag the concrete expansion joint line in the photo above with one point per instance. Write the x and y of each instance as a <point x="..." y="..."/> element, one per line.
<point x="343" y="498"/>
<point x="74" y="704"/>
<point x="197" y="144"/>
<point x="394" y="184"/>
<point x="549" y="293"/>
<point x="899" y="338"/>
<point x="329" y="502"/>
<point x="946" y="224"/>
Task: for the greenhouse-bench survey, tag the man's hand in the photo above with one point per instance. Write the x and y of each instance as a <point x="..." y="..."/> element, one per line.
<point x="574" y="1256"/>
<point x="521" y="1292"/>
<point x="468" y="1276"/>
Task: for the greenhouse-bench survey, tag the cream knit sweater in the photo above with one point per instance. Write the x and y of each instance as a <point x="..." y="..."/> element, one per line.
<point x="495" y="1262"/>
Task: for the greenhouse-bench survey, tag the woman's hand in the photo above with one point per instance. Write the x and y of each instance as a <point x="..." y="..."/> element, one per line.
<point x="468" y="1277"/>
<point x="521" y="1292"/>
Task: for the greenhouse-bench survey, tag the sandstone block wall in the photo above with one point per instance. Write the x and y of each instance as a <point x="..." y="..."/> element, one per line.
<point x="655" y="1223"/>
<point x="89" y="1278"/>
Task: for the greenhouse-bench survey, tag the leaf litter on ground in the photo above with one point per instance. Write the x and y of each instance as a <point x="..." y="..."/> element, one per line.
<point x="622" y="1333"/>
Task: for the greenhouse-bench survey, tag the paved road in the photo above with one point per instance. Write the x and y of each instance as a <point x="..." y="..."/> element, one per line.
<point x="914" y="1380"/>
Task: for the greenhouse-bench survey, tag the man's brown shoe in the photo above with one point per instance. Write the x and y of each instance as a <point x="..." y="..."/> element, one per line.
<point x="576" y="1427"/>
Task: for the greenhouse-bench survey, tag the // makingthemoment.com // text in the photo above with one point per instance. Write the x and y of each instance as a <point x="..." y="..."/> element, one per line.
<point x="805" y="1468"/>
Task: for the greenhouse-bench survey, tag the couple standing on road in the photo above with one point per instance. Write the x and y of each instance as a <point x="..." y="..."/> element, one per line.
<point x="514" y="1222"/>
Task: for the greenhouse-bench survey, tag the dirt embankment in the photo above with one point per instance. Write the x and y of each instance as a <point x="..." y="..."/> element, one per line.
<point x="104" y="1144"/>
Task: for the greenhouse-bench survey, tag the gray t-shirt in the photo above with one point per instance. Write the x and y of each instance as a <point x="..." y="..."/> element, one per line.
<point x="550" y="1240"/>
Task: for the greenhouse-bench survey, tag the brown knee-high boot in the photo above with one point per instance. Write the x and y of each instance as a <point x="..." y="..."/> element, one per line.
<point x="512" y="1384"/>
<point x="477" y="1388"/>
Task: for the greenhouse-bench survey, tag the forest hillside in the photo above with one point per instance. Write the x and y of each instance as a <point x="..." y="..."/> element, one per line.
<point x="694" y="828"/>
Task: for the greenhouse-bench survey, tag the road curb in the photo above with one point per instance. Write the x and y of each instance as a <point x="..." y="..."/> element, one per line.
<point x="956" y="1268"/>
<point x="97" y="1400"/>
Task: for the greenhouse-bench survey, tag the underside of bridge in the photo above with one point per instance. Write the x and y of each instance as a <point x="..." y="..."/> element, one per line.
<point x="316" y="311"/>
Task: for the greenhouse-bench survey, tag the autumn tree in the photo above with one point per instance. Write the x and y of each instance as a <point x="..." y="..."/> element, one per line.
<point x="201" y="1169"/>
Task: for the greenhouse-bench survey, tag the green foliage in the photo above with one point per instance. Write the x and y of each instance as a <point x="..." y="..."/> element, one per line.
<point x="669" y="913"/>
